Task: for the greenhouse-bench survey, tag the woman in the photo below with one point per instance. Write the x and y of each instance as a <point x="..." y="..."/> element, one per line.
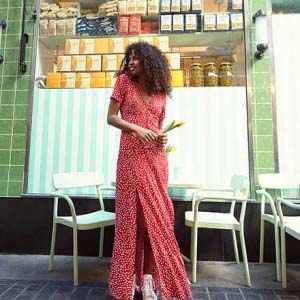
<point x="145" y="253"/>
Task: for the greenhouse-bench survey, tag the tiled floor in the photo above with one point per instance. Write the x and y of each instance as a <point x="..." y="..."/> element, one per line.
<point x="27" y="277"/>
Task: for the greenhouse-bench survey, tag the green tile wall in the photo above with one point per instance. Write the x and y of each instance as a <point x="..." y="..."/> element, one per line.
<point x="13" y="97"/>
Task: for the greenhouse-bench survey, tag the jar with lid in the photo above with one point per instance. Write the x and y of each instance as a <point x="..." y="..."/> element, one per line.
<point x="225" y="74"/>
<point x="210" y="74"/>
<point x="196" y="75"/>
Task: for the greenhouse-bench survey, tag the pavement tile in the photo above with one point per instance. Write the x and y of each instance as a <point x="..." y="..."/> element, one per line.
<point x="234" y="295"/>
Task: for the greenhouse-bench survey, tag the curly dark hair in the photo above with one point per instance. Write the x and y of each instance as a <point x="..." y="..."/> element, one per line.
<point x="156" y="67"/>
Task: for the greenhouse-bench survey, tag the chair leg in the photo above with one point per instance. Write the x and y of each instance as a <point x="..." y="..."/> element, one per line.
<point x="101" y="242"/>
<point x="75" y="257"/>
<point x="245" y="259"/>
<point x="52" y="249"/>
<point x="283" y="259"/>
<point x="277" y="249"/>
<point x="235" y="247"/>
<point x="262" y="241"/>
<point x="194" y="253"/>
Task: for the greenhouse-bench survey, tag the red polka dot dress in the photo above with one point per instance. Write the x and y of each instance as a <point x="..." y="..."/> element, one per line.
<point x="142" y="175"/>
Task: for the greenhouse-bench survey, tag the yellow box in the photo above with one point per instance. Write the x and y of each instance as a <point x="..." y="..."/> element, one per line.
<point x="161" y="42"/>
<point x="68" y="80"/>
<point x="130" y="40"/>
<point x="109" y="62"/>
<point x="116" y="45"/>
<point x="174" y="60"/>
<point x="119" y="60"/>
<point x="146" y="39"/>
<point x="101" y="46"/>
<point x="110" y="79"/>
<point x="93" y="62"/>
<point x="82" y="80"/>
<point x="177" y="78"/>
<point x="78" y="63"/>
<point x="63" y="63"/>
<point x="53" y="80"/>
<point x="72" y="46"/>
<point x="97" y="80"/>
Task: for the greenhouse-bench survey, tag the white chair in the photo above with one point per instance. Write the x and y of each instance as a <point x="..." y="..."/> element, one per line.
<point x="198" y="219"/>
<point x="276" y="182"/>
<point x="291" y="226"/>
<point x="96" y="219"/>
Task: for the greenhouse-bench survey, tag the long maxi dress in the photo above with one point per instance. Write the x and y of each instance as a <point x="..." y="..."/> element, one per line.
<point x="142" y="175"/>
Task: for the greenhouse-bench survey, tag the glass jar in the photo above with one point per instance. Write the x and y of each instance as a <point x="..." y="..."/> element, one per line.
<point x="225" y="74"/>
<point x="210" y="74"/>
<point x="196" y="75"/>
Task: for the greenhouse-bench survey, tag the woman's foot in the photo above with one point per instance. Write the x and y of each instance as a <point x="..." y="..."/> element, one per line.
<point x="135" y="287"/>
<point x="148" y="288"/>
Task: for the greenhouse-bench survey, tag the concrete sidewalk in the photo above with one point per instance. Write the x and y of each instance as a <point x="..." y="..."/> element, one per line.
<point x="27" y="277"/>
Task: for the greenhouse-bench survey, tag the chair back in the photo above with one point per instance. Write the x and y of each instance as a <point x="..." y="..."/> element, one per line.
<point x="77" y="180"/>
<point x="279" y="181"/>
<point x="239" y="184"/>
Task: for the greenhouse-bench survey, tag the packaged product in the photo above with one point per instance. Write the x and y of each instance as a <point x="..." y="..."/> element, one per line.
<point x="237" y="4"/>
<point x="116" y="45"/>
<point x="223" y="22"/>
<point x="123" y="27"/>
<point x="68" y="80"/>
<point x="175" y="6"/>
<point x="192" y="22"/>
<point x="53" y="80"/>
<point x="43" y="27"/>
<point x="166" y="23"/>
<point x="131" y="7"/>
<point x="141" y="7"/>
<point x="196" y="6"/>
<point x="93" y="63"/>
<point x="178" y="23"/>
<point x="165" y="6"/>
<point x="110" y="79"/>
<point x="122" y="7"/>
<point x="174" y="60"/>
<point x="109" y="62"/>
<point x="82" y="80"/>
<point x="61" y="27"/>
<point x="135" y="24"/>
<point x="52" y="27"/>
<point x="185" y="6"/>
<point x="237" y="21"/>
<point x="146" y="39"/>
<point x="177" y="78"/>
<point x="97" y="80"/>
<point x="153" y="7"/>
<point x="72" y="46"/>
<point x="209" y="22"/>
<point x="63" y="63"/>
<point x="70" y="26"/>
<point x="161" y="42"/>
<point x="78" y="63"/>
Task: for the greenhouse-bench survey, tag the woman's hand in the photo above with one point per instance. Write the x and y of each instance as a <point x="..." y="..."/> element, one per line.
<point x="146" y="134"/>
<point x="162" y="138"/>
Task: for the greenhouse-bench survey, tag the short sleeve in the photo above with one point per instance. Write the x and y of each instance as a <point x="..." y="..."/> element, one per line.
<point x="119" y="90"/>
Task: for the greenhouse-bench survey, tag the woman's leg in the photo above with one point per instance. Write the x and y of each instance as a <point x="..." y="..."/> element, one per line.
<point x="149" y="258"/>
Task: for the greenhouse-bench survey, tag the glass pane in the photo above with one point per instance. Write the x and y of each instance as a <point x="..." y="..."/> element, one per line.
<point x="285" y="7"/>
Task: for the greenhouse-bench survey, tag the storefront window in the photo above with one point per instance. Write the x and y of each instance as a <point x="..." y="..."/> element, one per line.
<point x="285" y="7"/>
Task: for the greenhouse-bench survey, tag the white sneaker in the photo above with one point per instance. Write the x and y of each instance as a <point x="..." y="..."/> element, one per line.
<point x="135" y="287"/>
<point x="148" y="288"/>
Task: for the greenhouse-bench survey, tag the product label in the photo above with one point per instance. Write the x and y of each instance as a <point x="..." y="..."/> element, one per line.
<point x="196" y="5"/>
<point x="166" y="23"/>
<point x="237" y="4"/>
<point x="237" y="21"/>
<point x="222" y="22"/>
<point x="191" y="22"/>
<point x="165" y="6"/>
<point x="210" y="22"/>
<point x="185" y="5"/>
<point x="175" y="6"/>
<point x="178" y="22"/>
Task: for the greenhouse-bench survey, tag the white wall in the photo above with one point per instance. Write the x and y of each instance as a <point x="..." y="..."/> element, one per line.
<point x="287" y="83"/>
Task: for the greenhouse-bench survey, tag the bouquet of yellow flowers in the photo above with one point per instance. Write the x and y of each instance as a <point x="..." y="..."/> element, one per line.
<point x="172" y="126"/>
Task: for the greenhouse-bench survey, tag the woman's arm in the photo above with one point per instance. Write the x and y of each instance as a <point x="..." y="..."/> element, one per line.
<point x="114" y="120"/>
